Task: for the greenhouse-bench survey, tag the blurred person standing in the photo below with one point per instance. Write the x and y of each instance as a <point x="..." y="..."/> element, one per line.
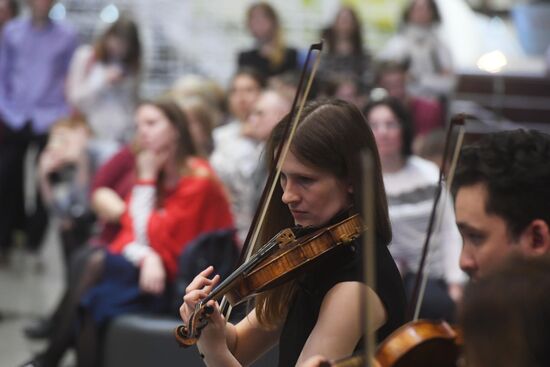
<point x="35" y="53"/>
<point x="345" y="56"/>
<point x="418" y="43"/>
<point x="103" y="84"/>
<point x="9" y="9"/>
<point x="270" y="55"/>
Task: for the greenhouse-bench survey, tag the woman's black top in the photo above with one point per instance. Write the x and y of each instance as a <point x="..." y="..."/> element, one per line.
<point x="253" y="59"/>
<point x="345" y="265"/>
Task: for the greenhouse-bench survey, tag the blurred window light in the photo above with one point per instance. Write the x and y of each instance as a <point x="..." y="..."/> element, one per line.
<point x="58" y="12"/>
<point x="492" y="62"/>
<point x="109" y="14"/>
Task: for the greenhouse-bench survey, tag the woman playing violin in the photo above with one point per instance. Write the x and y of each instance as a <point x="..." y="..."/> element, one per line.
<point x="320" y="310"/>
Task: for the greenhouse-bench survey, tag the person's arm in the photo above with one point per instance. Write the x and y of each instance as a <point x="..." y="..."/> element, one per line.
<point x="107" y="205"/>
<point x="339" y="326"/>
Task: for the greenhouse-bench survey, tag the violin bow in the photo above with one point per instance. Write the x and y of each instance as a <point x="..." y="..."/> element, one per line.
<point x="368" y="249"/>
<point x="421" y="276"/>
<point x="280" y="156"/>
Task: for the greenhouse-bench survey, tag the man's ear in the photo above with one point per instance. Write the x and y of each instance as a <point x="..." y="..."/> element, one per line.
<point x="537" y="237"/>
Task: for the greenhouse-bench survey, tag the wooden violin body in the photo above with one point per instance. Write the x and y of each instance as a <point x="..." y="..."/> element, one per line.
<point x="292" y="258"/>
<point x="421" y="343"/>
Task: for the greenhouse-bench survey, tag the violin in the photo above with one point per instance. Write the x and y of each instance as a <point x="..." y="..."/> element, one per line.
<point x="420" y="343"/>
<point x="286" y="256"/>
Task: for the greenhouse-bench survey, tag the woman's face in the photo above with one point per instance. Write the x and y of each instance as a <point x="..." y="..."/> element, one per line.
<point x="387" y="131"/>
<point x="243" y="96"/>
<point x="345" y="23"/>
<point x="421" y="13"/>
<point x="154" y="131"/>
<point x="261" y="25"/>
<point x="116" y="48"/>
<point x="313" y="197"/>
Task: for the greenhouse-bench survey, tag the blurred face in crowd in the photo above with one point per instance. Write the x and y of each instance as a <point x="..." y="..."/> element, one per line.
<point x="261" y="25"/>
<point x="267" y="112"/>
<point x="344" y="24"/>
<point x="243" y="95"/>
<point x="116" y="47"/>
<point x="313" y="196"/>
<point x="421" y="13"/>
<point x="199" y="133"/>
<point x="41" y="8"/>
<point x="486" y="238"/>
<point x="394" y="82"/>
<point x="154" y="130"/>
<point x="387" y="131"/>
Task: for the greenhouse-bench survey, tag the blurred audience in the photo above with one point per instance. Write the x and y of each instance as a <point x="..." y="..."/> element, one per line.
<point x="103" y="85"/>
<point x="176" y="198"/>
<point x="271" y="107"/>
<point x="234" y="158"/>
<point x="9" y="9"/>
<point x="35" y="52"/>
<point x="345" y="56"/>
<point x="207" y="89"/>
<point x="426" y="113"/>
<point x="270" y="55"/>
<point x="432" y="146"/>
<point x="111" y="183"/>
<point x="410" y="184"/>
<point x="65" y="169"/>
<point x="418" y="44"/>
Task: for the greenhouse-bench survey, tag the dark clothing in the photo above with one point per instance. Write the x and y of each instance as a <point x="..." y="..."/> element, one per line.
<point x="13" y="148"/>
<point x="119" y="293"/>
<point x="341" y="267"/>
<point x="253" y="59"/>
<point x="436" y="304"/>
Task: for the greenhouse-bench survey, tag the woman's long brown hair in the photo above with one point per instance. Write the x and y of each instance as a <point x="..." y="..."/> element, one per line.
<point x="330" y="136"/>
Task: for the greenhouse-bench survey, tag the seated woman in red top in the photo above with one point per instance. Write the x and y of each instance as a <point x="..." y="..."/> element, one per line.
<point x="175" y="198"/>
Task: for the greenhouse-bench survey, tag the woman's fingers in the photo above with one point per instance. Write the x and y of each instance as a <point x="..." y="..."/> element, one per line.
<point x="201" y="279"/>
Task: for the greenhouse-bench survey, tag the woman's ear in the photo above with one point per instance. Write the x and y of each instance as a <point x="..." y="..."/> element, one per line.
<point x="350" y="187"/>
<point x="538" y="236"/>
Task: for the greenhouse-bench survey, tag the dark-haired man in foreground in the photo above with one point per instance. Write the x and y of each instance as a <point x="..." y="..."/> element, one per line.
<point x="502" y="198"/>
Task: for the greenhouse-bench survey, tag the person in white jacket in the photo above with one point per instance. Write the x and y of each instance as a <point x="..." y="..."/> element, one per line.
<point x="103" y="84"/>
<point x="418" y="43"/>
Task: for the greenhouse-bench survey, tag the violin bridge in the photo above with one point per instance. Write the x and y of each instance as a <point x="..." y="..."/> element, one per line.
<point x="285" y="237"/>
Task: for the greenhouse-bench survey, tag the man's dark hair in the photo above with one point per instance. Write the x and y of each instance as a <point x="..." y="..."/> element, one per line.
<point x="514" y="167"/>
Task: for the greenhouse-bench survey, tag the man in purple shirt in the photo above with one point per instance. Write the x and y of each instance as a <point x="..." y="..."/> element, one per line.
<point x="34" y="58"/>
